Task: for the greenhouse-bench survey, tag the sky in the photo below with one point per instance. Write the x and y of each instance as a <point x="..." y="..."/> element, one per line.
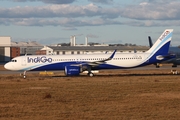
<point x="102" y="21"/>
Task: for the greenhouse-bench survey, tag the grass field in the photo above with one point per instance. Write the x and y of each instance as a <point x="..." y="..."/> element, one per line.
<point x="111" y="95"/>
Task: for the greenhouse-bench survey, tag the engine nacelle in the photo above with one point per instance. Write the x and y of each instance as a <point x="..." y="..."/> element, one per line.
<point x="72" y="70"/>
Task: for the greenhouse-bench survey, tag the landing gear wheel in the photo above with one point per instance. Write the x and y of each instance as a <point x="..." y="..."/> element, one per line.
<point x="24" y="76"/>
<point x="90" y="74"/>
<point x="174" y="65"/>
<point x="157" y="66"/>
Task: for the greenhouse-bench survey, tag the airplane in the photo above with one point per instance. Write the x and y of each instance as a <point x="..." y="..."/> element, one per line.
<point x="75" y="64"/>
<point x="172" y="50"/>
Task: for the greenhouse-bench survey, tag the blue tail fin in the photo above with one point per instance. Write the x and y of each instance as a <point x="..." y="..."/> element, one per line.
<point x="161" y="46"/>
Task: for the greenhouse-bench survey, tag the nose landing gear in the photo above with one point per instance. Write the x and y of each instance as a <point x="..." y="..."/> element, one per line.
<point x="24" y="74"/>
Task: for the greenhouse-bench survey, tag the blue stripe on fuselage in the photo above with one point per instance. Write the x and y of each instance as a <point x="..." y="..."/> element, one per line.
<point x="54" y="66"/>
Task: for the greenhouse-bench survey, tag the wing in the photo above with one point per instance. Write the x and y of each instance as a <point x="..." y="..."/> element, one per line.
<point x="96" y="63"/>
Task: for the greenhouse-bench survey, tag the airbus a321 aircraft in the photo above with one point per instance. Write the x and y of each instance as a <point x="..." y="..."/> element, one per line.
<point x="76" y="64"/>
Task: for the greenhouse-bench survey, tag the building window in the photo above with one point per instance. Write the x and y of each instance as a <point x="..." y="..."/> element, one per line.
<point x="63" y="52"/>
<point x="72" y="52"/>
<point x="78" y="52"/>
<point x="57" y="52"/>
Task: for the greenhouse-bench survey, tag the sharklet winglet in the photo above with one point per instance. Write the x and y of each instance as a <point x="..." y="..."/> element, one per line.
<point x="111" y="57"/>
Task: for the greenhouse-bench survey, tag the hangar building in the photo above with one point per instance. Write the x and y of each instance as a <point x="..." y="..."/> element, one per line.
<point x="62" y="50"/>
<point x="5" y="45"/>
<point x="28" y="48"/>
<point x="9" y="49"/>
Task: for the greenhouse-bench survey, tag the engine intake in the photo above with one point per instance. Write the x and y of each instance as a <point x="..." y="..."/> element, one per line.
<point x="72" y="70"/>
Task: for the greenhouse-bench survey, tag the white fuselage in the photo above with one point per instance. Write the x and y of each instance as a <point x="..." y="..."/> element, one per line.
<point x="31" y="62"/>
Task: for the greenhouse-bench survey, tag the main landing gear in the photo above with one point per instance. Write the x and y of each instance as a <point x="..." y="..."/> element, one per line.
<point x="157" y="65"/>
<point x="174" y="65"/>
<point x="90" y="74"/>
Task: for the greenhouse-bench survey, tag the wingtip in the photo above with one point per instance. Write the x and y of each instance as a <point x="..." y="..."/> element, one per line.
<point x="113" y="54"/>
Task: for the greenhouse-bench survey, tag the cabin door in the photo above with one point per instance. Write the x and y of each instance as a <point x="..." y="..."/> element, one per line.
<point x="24" y="61"/>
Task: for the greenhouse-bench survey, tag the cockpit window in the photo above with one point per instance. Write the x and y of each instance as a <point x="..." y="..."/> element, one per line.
<point x="13" y="60"/>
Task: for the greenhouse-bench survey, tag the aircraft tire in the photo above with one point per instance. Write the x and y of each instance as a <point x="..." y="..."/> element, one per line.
<point x="174" y="65"/>
<point x="157" y="66"/>
<point x="90" y="74"/>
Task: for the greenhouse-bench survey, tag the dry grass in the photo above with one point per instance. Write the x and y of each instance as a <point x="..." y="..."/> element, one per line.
<point x="122" y="95"/>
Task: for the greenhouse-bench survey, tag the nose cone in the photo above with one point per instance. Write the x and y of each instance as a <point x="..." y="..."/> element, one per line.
<point x="8" y="66"/>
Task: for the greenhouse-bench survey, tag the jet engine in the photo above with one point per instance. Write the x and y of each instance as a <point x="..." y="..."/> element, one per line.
<point x="72" y="70"/>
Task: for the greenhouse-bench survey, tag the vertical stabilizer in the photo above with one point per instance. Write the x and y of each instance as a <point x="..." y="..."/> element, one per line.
<point x="161" y="46"/>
